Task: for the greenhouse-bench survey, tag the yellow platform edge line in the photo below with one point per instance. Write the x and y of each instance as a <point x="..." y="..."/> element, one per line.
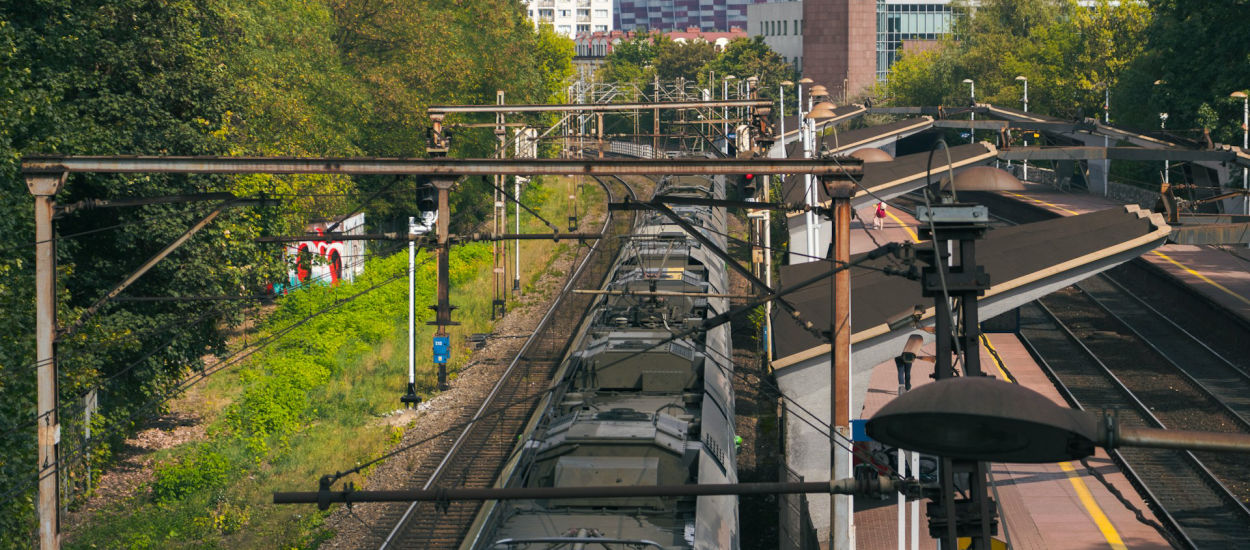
<point x="1187" y="269"/>
<point x="1103" y="523"/>
<point x="1201" y="276"/>
<point x="1087" y="499"/>
<point x="905" y="227"/>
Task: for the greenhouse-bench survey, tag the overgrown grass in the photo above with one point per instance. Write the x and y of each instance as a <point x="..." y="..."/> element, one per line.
<point x="312" y="402"/>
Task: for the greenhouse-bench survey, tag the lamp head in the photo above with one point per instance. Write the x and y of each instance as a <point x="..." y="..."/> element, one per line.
<point x="822" y="110"/>
<point x="1022" y="78"/>
<point x="967" y="81"/>
<point x="979" y="418"/>
<point x="786" y="83"/>
<point x="805" y="80"/>
<point x="1238" y="94"/>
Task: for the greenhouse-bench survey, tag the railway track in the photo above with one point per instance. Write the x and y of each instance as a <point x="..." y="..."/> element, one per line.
<point x="1107" y="348"/>
<point x="473" y="457"/>
<point x="1199" y="510"/>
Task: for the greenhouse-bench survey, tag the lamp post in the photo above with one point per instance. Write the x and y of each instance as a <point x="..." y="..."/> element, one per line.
<point x="781" y="97"/>
<point x="1167" y="165"/>
<point x="1106" y="140"/>
<point x="725" y="111"/>
<point x="806" y="141"/>
<point x="1163" y="120"/>
<point x="972" y="92"/>
<point x="810" y="195"/>
<point x="1245" y="139"/>
<point x="1025" y="80"/>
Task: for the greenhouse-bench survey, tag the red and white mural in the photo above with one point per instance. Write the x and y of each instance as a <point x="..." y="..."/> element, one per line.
<point x="327" y="262"/>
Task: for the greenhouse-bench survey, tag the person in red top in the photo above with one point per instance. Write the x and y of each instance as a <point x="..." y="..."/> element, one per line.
<point x="878" y="217"/>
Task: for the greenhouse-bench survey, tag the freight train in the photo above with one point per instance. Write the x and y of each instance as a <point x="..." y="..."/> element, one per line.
<point x="624" y="414"/>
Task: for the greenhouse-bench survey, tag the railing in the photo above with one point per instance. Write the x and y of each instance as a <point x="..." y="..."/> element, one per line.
<point x="795" y="531"/>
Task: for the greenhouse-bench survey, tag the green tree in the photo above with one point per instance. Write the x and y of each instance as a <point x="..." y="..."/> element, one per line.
<point x="747" y="57"/>
<point x="1200" y="53"/>
<point x="1071" y="55"/>
<point x="684" y="60"/>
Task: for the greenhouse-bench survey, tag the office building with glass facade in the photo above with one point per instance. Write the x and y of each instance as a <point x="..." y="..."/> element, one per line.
<point x="908" y="24"/>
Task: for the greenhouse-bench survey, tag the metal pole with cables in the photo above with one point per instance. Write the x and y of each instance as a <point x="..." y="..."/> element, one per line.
<point x="44" y="186"/>
<point x="841" y="506"/>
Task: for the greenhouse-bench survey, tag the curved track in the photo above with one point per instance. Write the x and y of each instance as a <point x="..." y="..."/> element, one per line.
<point x="474" y="456"/>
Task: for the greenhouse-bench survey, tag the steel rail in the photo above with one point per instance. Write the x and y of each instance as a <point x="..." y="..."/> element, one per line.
<point x="1177" y="327"/>
<point x="1176" y="365"/>
<point x="1213" y="482"/>
<point x="487" y="403"/>
<point x="1152" y="500"/>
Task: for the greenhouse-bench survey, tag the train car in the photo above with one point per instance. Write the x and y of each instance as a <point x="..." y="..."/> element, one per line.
<point x="317" y="262"/>
<point x="624" y="414"/>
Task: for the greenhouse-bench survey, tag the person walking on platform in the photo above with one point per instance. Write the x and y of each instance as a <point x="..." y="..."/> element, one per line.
<point x="878" y="217"/>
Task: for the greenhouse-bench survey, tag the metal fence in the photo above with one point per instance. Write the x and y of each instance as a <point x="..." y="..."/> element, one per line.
<point x="795" y="530"/>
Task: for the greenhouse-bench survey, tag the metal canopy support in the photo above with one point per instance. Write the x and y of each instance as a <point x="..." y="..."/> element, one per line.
<point x="1114" y="153"/>
<point x="44" y="186"/>
<point x="955" y="289"/>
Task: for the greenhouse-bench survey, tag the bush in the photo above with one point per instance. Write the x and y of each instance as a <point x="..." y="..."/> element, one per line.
<point x="196" y="472"/>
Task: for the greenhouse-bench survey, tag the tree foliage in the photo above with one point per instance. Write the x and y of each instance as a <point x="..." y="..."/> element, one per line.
<point x="1200" y="53"/>
<point x="641" y="60"/>
<point x="1071" y="55"/>
<point x="209" y="77"/>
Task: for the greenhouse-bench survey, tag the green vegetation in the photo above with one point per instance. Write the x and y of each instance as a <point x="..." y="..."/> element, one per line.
<point x="641" y="60"/>
<point x="212" y="77"/>
<point x="315" y="401"/>
<point x="1073" y="55"/>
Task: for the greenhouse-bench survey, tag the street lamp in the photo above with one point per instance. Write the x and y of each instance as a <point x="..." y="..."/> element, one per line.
<point x="1025" y="80"/>
<point x="781" y="96"/>
<point x="1245" y="136"/>
<point x="980" y="419"/>
<point x="725" y="111"/>
<point x="1167" y="164"/>
<point x="972" y="92"/>
<point x="1163" y="120"/>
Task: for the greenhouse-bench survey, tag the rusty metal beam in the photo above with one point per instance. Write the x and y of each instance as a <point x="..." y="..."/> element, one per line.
<point x="999" y="125"/>
<point x="430" y="166"/>
<point x="1113" y="153"/>
<point x="596" y="107"/>
<point x="1216" y="233"/>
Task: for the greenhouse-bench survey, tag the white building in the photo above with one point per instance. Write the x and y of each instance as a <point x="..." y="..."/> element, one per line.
<point x="572" y="17"/>
<point x="781" y="25"/>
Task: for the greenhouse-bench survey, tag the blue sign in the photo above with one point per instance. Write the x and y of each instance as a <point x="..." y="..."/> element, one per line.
<point x="858" y="433"/>
<point x="442" y="349"/>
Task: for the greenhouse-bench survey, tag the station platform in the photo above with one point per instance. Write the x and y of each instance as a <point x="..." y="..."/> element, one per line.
<point x="1060" y="505"/>
<point x="1223" y="275"/>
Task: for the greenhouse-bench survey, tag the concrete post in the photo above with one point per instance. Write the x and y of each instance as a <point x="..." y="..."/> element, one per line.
<point x="44" y="186"/>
